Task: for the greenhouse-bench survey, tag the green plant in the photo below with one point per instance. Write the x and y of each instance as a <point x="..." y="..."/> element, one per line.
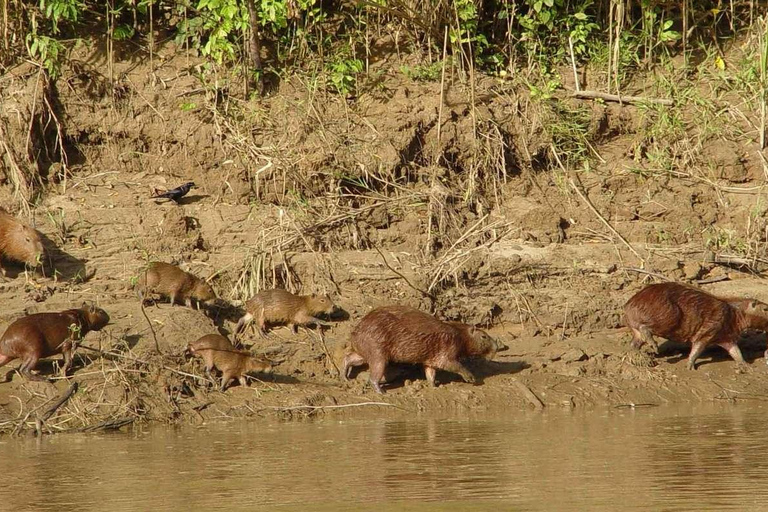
<point x="423" y="72"/>
<point x="343" y="74"/>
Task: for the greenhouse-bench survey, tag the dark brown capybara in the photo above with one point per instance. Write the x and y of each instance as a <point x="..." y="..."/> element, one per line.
<point x="685" y="314"/>
<point x="33" y="337"/>
<point x="19" y="242"/>
<point x="401" y="334"/>
<point x="172" y="282"/>
<point x="283" y="307"/>
<point x="217" y="352"/>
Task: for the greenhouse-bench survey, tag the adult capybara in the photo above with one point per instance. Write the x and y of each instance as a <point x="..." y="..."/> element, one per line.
<point x="401" y="334"/>
<point x="218" y="352"/>
<point x="172" y="282"/>
<point x="33" y="337"/>
<point x="688" y="315"/>
<point x="282" y="307"/>
<point x="19" y="242"/>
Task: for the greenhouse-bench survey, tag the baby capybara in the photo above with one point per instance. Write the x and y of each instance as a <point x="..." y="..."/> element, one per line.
<point x="172" y="282"/>
<point x="688" y="315"/>
<point x="19" y="242"/>
<point x="400" y="334"/>
<point x="282" y="307"/>
<point x="33" y="337"/>
<point x="218" y="352"/>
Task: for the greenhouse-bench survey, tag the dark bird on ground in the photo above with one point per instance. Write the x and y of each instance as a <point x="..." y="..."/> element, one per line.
<point x="177" y="193"/>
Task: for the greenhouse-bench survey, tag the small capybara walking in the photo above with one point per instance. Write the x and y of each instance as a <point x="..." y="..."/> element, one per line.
<point x="401" y="334"/>
<point x="172" y="282"/>
<point x="19" y="242"/>
<point x="282" y="307"/>
<point x="217" y="352"/>
<point x="33" y="337"/>
<point x="688" y="315"/>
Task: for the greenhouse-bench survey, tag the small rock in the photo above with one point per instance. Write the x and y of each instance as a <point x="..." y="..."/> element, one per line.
<point x="573" y="355"/>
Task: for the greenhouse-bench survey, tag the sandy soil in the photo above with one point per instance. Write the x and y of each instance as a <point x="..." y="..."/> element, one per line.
<point x="542" y="271"/>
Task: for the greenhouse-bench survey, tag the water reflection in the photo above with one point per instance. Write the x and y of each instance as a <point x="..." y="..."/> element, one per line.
<point x="667" y="459"/>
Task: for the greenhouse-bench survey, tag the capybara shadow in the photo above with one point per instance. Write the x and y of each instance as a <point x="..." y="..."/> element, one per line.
<point x="223" y="312"/>
<point x="62" y="265"/>
<point x="339" y="315"/>
<point x="192" y="199"/>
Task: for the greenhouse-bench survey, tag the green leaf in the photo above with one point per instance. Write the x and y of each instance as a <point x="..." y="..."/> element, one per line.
<point x="580" y="16"/>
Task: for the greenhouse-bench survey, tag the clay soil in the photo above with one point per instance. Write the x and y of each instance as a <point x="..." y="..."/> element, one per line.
<point x="362" y="198"/>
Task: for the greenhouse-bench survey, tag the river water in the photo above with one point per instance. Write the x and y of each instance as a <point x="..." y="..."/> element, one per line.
<point x="706" y="458"/>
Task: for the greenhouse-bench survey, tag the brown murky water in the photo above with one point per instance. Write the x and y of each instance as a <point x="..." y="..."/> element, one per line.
<point x="708" y="457"/>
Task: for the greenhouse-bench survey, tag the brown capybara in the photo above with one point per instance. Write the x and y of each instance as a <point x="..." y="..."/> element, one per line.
<point x="172" y="282"/>
<point x="19" y="242"/>
<point x="218" y="352"/>
<point x="400" y="334"/>
<point x="282" y="307"/>
<point x="212" y="342"/>
<point x="685" y="314"/>
<point x="33" y="337"/>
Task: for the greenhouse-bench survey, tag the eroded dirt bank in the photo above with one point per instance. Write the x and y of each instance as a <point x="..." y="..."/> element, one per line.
<point x="371" y="202"/>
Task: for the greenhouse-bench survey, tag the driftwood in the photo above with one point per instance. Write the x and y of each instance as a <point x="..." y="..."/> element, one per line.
<point x="54" y="407"/>
<point x="592" y="95"/>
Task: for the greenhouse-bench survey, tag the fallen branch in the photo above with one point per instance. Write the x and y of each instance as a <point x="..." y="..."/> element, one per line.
<point x="713" y="280"/>
<point x="54" y="407"/>
<point x="592" y="95"/>
<point x="141" y="361"/>
<point x="646" y="272"/>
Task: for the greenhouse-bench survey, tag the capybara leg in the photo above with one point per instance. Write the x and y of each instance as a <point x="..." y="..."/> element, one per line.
<point x="188" y="302"/>
<point x="4" y="360"/>
<point x="696" y="351"/>
<point x="225" y="378"/>
<point x="243" y="323"/>
<point x="430" y="373"/>
<point x="317" y="321"/>
<point x="67" y="363"/>
<point x="350" y="361"/>
<point x="647" y="336"/>
<point x="26" y="369"/>
<point x="735" y="352"/>
<point x="457" y="367"/>
<point x="377" y="374"/>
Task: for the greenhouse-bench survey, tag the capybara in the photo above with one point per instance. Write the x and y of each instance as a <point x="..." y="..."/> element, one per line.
<point x="33" y="337"/>
<point x="172" y="282"/>
<point x="401" y="334"/>
<point x="19" y="242"/>
<point x="212" y="342"/>
<point x="282" y="307"/>
<point x="218" y="352"/>
<point x="685" y="314"/>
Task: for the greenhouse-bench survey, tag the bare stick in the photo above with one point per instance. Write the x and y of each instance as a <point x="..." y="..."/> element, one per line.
<point x="713" y="280"/>
<point x="54" y="407"/>
<point x="152" y="329"/>
<point x="646" y="272"/>
<point x="320" y="407"/>
<point x="442" y="90"/>
<point x="604" y="221"/>
<point x="591" y="95"/>
<point x="407" y="281"/>
<point x="573" y="63"/>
